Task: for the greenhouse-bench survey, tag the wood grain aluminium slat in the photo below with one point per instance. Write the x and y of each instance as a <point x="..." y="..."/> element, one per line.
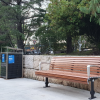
<point x="66" y="73"/>
<point x="62" y="61"/>
<point x="65" y="77"/>
<point x="75" y="67"/>
<point x="82" y="82"/>
<point x="95" y="60"/>
<point x="72" y="73"/>
<point x="76" y="56"/>
<point x="80" y="63"/>
<point x="87" y="63"/>
<point x="72" y="59"/>
<point x="77" y="71"/>
<point x="80" y="69"/>
<point x="75" y="63"/>
<point x="69" y="65"/>
<point x="76" y="60"/>
<point x="69" y="78"/>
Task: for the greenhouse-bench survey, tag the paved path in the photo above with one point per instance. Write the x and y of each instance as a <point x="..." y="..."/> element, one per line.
<point x="28" y="89"/>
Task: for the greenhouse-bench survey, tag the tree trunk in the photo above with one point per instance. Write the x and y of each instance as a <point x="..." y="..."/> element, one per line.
<point x="10" y="40"/>
<point x="20" y="43"/>
<point x="69" y="44"/>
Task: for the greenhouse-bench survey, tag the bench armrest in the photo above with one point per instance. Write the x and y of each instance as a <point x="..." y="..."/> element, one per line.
<point x="88" y="69"/>
<point x="42" y="63"/>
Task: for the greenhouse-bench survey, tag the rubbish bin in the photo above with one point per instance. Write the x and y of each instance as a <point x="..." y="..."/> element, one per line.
<point x="12" y="63"/>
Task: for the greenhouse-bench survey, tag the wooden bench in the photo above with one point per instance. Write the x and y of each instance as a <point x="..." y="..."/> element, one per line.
<point x="74" y="69"/>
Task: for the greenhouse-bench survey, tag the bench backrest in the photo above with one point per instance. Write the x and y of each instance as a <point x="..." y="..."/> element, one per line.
<point x="75" y="64"/>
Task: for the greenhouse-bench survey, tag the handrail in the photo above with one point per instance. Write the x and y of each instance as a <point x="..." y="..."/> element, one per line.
<point x="42" y="63"/>
<point x="88" y="69"/>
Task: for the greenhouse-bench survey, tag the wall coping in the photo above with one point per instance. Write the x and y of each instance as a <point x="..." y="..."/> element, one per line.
<point x="64" y="55"/>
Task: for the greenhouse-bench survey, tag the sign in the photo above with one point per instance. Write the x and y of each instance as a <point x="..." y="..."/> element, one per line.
<point x="32" y="48"/>
<point x="3" y="57"/>
<point x="34" y="41"/>
<point x="11" y="59"/>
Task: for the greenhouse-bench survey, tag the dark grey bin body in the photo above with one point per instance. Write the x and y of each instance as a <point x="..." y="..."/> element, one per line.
<point x="11" y="67"/>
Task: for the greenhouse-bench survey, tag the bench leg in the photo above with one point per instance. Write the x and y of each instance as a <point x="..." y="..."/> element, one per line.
<point x="92" y="92"/>
<point x="46" y="82"/>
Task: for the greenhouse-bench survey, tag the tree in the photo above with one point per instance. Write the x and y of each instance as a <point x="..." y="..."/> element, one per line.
<point x="64" y="17"/>
<point x="91" y="7"/>
<point x="47" y="38"/>
<point x="91" y="20"/>
<point x="20" y="18"/>
<point x="91" y="29"/>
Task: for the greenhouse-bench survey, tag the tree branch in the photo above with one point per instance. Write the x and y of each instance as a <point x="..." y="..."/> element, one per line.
<point x="7" y="3"/>
<point x="4" y="2"/>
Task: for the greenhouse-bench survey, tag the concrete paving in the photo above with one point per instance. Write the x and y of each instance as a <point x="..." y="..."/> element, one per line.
<point x="29" y="89"/>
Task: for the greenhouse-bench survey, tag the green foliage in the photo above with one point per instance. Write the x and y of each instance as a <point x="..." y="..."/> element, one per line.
<point x="71" y="18"/>
<point x="20" y="19"/>
<point x="91" y="7"/>
<point x="64" y="17"/>
<point x="47" y="38"/>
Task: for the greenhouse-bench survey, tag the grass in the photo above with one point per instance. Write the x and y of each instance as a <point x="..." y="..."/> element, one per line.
<point x="89" y="52"/>
<point x="61" y="54"/>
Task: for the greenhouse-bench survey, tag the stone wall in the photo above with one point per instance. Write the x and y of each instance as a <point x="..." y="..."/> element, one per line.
<point x="31" y="64"/>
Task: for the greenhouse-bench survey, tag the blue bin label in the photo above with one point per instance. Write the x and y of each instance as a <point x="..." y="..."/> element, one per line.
<point x="3" y="57"/>
<point x="11" y="59"/>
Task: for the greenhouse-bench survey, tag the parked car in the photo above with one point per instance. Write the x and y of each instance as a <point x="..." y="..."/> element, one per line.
<point x="37" y="52"/>
<point x="51" y="52"/>
<point x="29" y="53"/>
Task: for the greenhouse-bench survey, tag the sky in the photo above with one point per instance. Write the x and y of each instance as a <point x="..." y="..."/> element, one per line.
<point x="44" y="6"/>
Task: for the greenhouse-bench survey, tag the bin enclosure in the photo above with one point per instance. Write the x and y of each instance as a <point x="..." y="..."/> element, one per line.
<point x="12" y="63"/>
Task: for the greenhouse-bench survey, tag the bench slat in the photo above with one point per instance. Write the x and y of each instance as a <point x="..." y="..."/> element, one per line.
<point x="78" y="68"/>
<point x="66" y="73"/>
<point x="56" y="75"/>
